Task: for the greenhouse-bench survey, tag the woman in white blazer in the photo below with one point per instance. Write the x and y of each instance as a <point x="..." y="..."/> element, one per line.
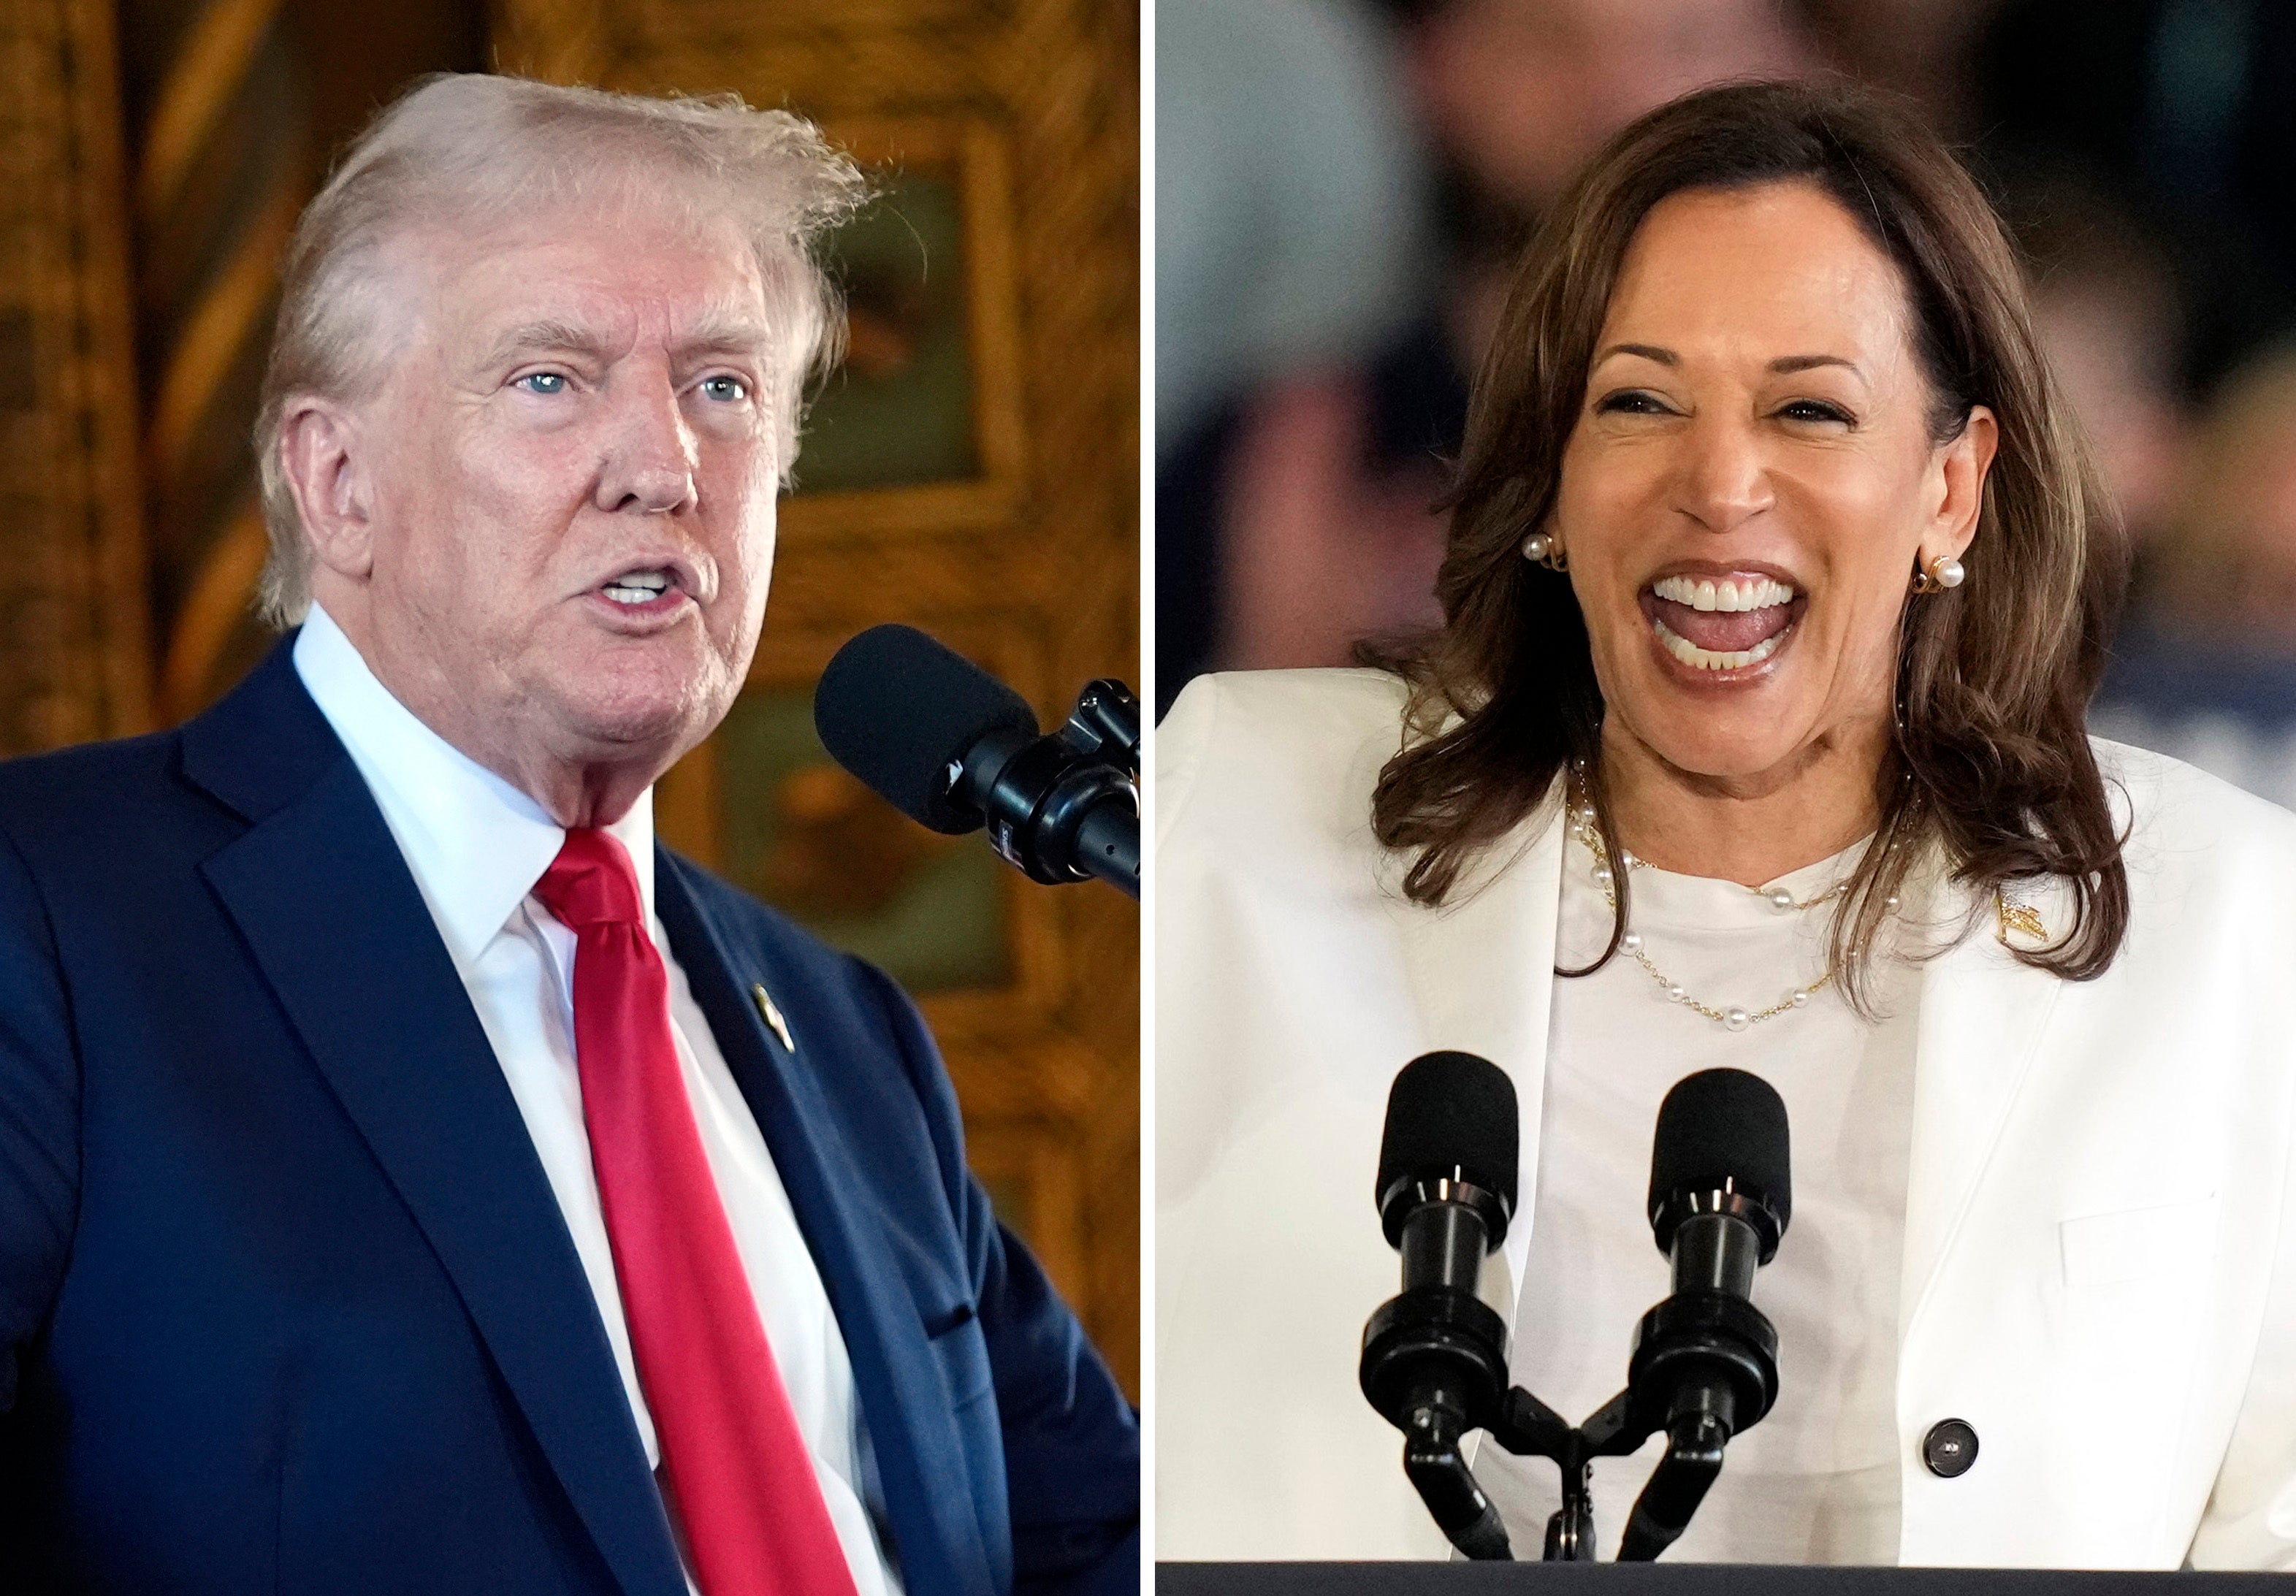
<point x="1753" y="738"/>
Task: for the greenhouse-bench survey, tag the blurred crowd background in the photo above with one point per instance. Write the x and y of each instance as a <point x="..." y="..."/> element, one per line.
<point x="1341" y="183"/>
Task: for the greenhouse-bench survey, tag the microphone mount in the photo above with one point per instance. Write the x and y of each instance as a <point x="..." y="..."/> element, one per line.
<point x="1434" y="1358"/>
<point x="1704" y="1365"/>
<point x="1703" y="1368"/>
<point x="1064" y="807"/>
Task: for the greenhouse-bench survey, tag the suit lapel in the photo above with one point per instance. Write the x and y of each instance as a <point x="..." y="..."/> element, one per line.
<point x="318" y="889"/>
<point x="1482" y="971"/>
<point x="894" y="1370"/>
<point x="1982" y="1016"/>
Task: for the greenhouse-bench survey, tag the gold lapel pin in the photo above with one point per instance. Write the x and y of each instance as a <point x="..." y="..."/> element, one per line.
<point x="772" y="1017"/>
<point x="2022" y="918"/>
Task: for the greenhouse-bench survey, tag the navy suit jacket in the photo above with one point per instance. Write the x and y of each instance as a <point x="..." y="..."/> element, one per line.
<point x="286" y="1304"/>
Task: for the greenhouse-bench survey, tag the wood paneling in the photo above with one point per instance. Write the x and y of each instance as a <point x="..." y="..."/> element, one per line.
<point x="73" y="658"/>
<point x="231" y="111"/>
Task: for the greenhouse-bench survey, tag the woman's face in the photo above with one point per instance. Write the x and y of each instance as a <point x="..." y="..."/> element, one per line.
<point x="1751" y="482"/>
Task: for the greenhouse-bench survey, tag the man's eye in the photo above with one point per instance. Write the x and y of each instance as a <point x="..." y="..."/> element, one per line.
<point x="726" y="387"/>
<point x="542" y="382"/>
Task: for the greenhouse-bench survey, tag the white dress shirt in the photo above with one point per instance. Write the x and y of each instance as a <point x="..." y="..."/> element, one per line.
<point x="1817" y="1480"/>
<point x="476" y="847"/>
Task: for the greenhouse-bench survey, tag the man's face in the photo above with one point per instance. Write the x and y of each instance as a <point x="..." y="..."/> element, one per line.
<point x="572" y="468"/>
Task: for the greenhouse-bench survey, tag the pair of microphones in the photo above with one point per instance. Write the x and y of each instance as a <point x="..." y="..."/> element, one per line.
<point x="1703" y="1366"/>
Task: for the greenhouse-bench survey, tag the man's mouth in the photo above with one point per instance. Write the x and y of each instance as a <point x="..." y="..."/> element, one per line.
<point x="640" y="587"/>
<point x="1721" y="622"/>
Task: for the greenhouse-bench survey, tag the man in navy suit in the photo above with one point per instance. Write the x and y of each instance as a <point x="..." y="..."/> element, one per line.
<point x="411" y="1178"/>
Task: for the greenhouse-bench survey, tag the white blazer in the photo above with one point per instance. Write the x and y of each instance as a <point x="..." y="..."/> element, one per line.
<point x="2100" y="1269"/>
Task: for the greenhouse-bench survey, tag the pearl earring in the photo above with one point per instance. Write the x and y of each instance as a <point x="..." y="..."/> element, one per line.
<point x="1543" y="550"/>
<point x="1944" y="571"/>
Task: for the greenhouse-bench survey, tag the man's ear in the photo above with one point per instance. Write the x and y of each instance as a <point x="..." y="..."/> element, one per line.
<point x="325" y="469"/>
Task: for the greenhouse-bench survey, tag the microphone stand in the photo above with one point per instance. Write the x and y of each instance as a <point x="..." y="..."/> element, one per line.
<point x="1705" y="1361"/>
<point x="1702" y="1361"/>
<point x="1529" y="1428"/>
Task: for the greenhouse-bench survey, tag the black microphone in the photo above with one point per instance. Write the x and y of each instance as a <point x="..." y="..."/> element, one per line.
<point x="1434" y="1359"/>
<point x="954" y="749"/>
<point x="1705" y="1359"/>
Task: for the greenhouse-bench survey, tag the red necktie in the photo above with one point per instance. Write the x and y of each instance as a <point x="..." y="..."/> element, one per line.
<point x="732" y="1460"/>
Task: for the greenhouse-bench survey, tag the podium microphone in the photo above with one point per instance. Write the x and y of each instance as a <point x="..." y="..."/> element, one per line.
<point x="1705" y="1361"/>
<point x="954" y="749"/>
<point x="1434" y="1358"/>
<point x="1705" y="1364"/>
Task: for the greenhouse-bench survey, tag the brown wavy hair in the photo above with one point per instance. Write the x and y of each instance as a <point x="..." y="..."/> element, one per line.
<point x="1989" y="758"/>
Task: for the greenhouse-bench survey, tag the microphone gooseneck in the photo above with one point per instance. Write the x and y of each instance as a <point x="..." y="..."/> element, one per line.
<point x="1434" y="1358"/>
<point x="955" y="749"/>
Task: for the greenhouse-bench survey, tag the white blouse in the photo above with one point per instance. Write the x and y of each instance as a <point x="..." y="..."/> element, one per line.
<point x="1817" y="1480"/>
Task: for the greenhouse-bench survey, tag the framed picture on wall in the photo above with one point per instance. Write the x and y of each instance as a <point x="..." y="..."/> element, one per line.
<point x="919" y="423"/>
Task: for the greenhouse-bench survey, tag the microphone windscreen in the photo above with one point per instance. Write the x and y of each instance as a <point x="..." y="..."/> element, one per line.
<point x="895" y="708"/>
<point x="1450" y="1111"/>
<point x="1724" y="1127"/>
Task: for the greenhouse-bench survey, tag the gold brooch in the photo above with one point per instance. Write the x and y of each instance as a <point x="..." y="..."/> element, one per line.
<point x="772" y="1017"/>
<point x="2022" y="918"/>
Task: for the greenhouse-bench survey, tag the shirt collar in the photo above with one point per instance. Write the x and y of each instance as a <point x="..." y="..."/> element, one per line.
<point x="476" y="844"/>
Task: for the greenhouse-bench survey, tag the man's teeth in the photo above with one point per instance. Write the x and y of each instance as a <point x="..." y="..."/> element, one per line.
<point x="637" y="587"/>
<point x="1698" y="659"/>
<point x="1757" y="593"/>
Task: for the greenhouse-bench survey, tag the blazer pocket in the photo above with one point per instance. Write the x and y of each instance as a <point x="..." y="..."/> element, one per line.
<point x="963" y="1353"/>
<point x="2129" y="1244"/>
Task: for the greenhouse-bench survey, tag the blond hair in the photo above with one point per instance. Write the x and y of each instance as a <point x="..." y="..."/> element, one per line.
<point x="458" y="147"/>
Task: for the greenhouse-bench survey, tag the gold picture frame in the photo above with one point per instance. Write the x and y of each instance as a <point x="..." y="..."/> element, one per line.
<point x="972" y="157"/>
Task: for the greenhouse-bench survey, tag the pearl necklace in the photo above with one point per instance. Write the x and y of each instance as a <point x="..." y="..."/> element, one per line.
<point x="1584" y="828"/>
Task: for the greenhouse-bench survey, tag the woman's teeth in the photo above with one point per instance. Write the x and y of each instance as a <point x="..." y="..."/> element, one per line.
<point x="1698" y="659"/>
<point x="1758" y="593"/>
<point x="637" y="587"/>
<point x="1756" y="615"/>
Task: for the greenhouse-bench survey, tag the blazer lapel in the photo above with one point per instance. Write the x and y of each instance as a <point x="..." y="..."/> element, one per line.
<point x="1982" y="1019"/>
<point x="325" y="902"/>
<point x="1481" y="970"/>
<point x="894" y="1372"/>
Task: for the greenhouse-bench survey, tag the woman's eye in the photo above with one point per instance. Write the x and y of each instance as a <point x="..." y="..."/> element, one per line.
<point x="542" y="382"/>
<point x="726" y="389"/>
<point x="1632" y="401"/>
<point x="1815" y="410"/>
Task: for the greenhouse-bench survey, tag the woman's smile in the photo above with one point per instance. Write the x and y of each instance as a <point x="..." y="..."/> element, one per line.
<point x="1721" y="627"/>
